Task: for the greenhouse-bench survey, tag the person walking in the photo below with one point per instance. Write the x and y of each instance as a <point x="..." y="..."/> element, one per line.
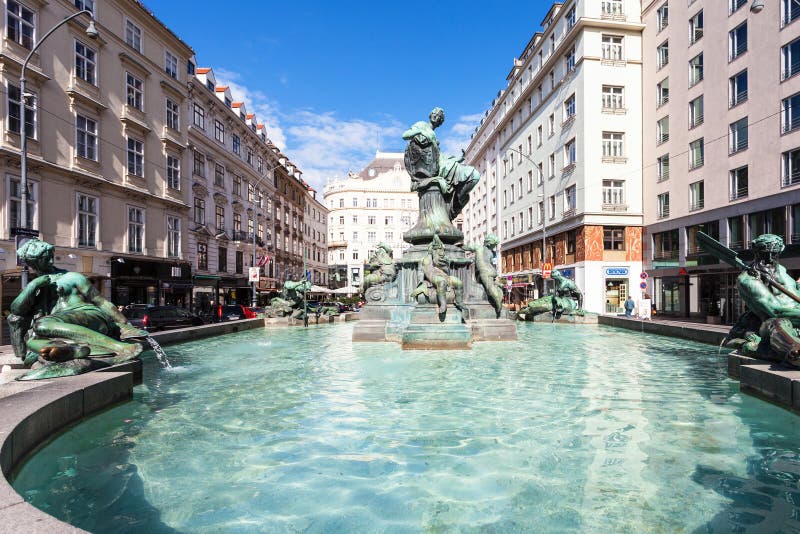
<point x="629" y="306"/>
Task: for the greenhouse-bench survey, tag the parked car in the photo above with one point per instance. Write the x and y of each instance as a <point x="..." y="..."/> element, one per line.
<point x="152" y="318"/>
<point x="254" y="313"/>
<point x="231" y="312"/>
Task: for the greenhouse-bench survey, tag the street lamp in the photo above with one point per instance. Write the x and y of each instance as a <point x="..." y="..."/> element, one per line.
<point x="92" y="33"/>
<point x="544" y="210"/>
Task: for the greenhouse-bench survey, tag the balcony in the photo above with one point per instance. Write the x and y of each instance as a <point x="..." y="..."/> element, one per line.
<point x="741" y="192"/>
<point x="613" y="10"/>
<point x="665" y="255"/>
<point x="337" y="244"/>
<point x="791" y="178"/>
<point x="662" y="138"/>
<point x="737" y="51"/>
<point x="663" y="213"/>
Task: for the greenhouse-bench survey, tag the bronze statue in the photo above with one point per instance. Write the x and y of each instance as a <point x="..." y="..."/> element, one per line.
<point x="59" y="321"/>
<point x="380" y="268"/>
<point x="434" y="273"/>
<point x="291" y="300"/>
<point x="769" y="329"/>
<point x="428" y="167"/>
<point x="486" y="272"/>
<point x="566" y="299"/>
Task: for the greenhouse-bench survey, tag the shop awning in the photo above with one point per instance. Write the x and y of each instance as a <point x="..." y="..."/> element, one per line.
<point x="320" y="289"/>
<point x="206" y="277"/>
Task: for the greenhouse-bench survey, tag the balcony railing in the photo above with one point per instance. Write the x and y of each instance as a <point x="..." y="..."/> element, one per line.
<point x="696" y="205"/>
<point x="662" y="138"/>
<point x="791" y="69"/>
<point x="791" y="14"/>
<point x="791" y="178"/>
<point x="695" y="35"/>
<point x="665" y="255"/>
<point x="738" y="50"/>
<point x="738" y="193"/>
<point x="663" y="213"/>
<point x="663" y="175"/>
<point x="738" y="98"/>
<point x="662" y="99"/>
<point x="696" y="162"/>
<point x="696" y="120"/>
<point x="737" y="145"/>
<point x="736" y="4"/>
<point x="790" y="124"/>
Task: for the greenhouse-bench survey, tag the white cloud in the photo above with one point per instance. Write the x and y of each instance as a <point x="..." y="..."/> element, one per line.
<point x="459" y="134"/>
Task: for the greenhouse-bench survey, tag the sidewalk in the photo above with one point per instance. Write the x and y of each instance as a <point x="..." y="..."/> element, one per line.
<point x="713" y="334"/>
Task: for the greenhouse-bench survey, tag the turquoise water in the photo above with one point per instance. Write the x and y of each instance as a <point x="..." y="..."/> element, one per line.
<point x="301" y="430"/>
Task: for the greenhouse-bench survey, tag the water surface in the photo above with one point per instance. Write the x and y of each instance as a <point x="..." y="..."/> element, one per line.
<point x="570" y="429"/>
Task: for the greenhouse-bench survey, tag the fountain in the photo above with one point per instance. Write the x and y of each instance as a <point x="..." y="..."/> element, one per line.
<point x="160" y="354"/>
<point x="434" y="296"/>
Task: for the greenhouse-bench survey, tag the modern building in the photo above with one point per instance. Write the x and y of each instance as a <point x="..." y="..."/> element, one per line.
<point x="741" y="66"/>
<point x="366" y="208"/>
<point x="315" y="232"/>
<point x="106" y="145"/>
<point x="560" y="156"/>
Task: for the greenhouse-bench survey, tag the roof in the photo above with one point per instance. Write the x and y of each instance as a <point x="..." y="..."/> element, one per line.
<point x="382" y="162"/>
<point x="221" y="88"/>
<point x="203" y="70"/>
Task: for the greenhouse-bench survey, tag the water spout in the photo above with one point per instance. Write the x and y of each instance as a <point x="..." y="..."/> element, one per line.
<point x="160" y="354"/>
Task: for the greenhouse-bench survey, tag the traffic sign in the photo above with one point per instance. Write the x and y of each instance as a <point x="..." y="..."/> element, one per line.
<point x="643" y="285"/>
<point x="643" y="276"/>
<point x="253" y="274"/>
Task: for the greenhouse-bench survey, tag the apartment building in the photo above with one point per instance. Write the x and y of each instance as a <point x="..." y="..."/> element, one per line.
<point x="560" y="156"/>
<point x="315" y="232"/>
<point x="721" y="146"/>
<point x="366" y="208"/>
<point x="290" y="205"/>
<point x="105" y="149"/>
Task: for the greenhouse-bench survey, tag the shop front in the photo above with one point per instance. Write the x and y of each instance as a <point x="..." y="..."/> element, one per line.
<point x="139" y="281"/>
<point x="616" y="281"/>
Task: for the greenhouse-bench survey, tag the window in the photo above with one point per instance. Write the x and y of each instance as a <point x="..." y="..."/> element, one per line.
<point x="662" y="130"/>
<point x="696" y="112"/>
<point x="613" y="97"/>
<point x="219" y="218"/>
<point x="540" y="212"/>
<point x="570" y="154"/>
<point x="612" y="8"/>
<point x="662" y="165"/>
<point x="133" y="35"/>
<point x="540" y="174"/>
<point x="539" y="136"/>
<point x="569" y="110"/>
<point x="219" y="131"/>
<point x="239" y="262"/>
<point x="219" y="175"/>
<point x="551" y="207"/>
<point x="85" y="63"/>
<point x="237" y="225"/>
<point x="170" y="64"/>
<point x="370" y="219"/>
<point x="135" y="157"/>
<point x="736" y="4"/>
<point x="662" y="16"/>
<point x="551" y="166"/>
<point x="222" y="259"/>
<point x="86" y="137"/>
<point x="199" y="164"/>
<point x="662" y="54"/>
<point x="696" y="27"/>
<point x="20" y="26"/>
<point x="236" y="144"/>
<point x="613" y="145"/>
<point x="791" y="113"/>
<point x="738" y="135"/>
<point x="696" y="196"/>
<point x="662" y="92"/>
<point x="135" y="229"/>
<point x="791" y="167"/>
<point x="84" y="4"/>
<point x="173" y="172"/>
<point x="87" y="220"/>
<point x="199" y="210"/>
<point x="551" y="124"/>
<point x="696" y="70"/>
<point x="737" y="41"/>
<point x="663" y="205"/>
<point x="613" y="192"/>
<point x="173" y="117"/>
<point x="14" y="112"/>
<point x="570" y="200"/>
<point x="569" y="61"/>
<point x="530" y="182"/>
<point x="355" y="202"/>
<point x="134" y="91"/>
<point x="790" y="11"/>
<point x="202" y="257"/>
<point x="173" y="237"/>
<point x="738" y="180"/>
<point x="388" y="220"/>
<point x="199" y="117"/>
<point x="371" y="237"/>
<point x="15" y="204"/>
<point x="250" y="160"/>
<point x="737" y="88"/>
<point x="696" y="154"/>
<point x="530" y="145"/>
<point x="613" y="238"/>
<point x="570" y="19"/>
<point x="612" y="47"/>
<point x="790" y="57"/>
<point x="260" y="164"/>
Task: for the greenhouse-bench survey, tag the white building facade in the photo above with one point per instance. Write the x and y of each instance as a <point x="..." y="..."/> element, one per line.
<point x="366" y="208"/>
<point x="560" y="153"/>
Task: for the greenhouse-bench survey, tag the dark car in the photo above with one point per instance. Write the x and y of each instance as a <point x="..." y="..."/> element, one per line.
<point x="154" y="318"/>
<point x="231" y="312"/>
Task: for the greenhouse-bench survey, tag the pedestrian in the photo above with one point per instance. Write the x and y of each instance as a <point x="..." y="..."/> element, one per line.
<point x="629" y="306"/>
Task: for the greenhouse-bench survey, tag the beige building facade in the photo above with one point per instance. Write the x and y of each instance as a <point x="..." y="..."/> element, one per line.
<point x="721" y="143"/>
<point x="315" y="231"/>
<point x="100" y="141"/>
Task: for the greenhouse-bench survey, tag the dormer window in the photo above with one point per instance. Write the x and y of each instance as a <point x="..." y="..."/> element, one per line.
<point x="241" y="115"/>
<point x="228" y="102"/>
<point x="209" y="84"/>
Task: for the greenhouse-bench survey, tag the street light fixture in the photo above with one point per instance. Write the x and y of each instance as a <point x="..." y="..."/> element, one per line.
<point x="92" y="33"/>
<point x="756" y="6"/>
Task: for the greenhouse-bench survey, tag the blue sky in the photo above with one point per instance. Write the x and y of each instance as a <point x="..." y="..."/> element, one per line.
<point x="334" y="81"/>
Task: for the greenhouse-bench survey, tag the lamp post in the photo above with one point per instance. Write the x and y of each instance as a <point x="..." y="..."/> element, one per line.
<point x="253" y="299"/>
<point x="544" y="214"/>
<point x="92" y="33"/>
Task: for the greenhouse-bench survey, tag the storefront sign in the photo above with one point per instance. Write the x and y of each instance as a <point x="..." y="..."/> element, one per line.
<point x="616" y="271"/>
<point x="547" y="268"/>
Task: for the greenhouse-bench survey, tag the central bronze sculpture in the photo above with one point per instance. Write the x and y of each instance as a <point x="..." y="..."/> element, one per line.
<point x="434" y="296"/>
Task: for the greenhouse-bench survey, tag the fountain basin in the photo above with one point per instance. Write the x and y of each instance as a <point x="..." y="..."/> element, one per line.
<point x="567" y="429"/>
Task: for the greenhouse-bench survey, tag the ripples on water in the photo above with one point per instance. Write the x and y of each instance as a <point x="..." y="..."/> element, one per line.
<point x="300" y="430"/>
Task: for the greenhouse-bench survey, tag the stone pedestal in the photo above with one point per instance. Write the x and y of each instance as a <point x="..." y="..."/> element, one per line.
<point x="427" y="330"/>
